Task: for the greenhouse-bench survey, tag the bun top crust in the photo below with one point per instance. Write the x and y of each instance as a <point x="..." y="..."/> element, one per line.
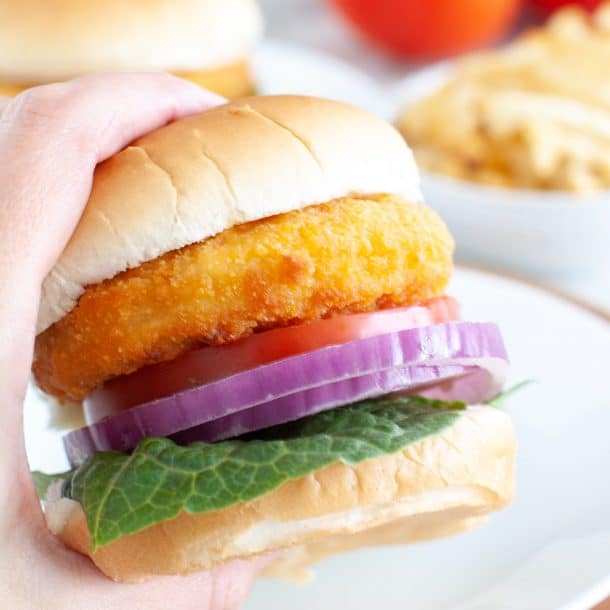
<point x="236" y="163"/>
<point x="47" y="40"/>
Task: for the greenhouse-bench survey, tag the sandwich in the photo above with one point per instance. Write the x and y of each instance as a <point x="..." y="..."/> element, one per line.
<point x="209" y="42"/>
<point x="253" y="312"/>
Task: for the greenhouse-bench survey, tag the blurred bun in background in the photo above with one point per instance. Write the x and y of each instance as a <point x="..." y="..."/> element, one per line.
<point x="206" y="41"/>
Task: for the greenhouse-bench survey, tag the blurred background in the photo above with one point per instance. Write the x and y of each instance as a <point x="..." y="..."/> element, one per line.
<point x="337" y="27"/>
<point x="384" y="47"/>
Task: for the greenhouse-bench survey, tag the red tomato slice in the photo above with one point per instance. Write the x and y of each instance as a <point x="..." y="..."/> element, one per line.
<point x="210" y="363"/>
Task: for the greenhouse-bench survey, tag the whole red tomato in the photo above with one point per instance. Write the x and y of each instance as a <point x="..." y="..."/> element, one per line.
<point x="428" y="28"/>
<point x="551" y="5"/>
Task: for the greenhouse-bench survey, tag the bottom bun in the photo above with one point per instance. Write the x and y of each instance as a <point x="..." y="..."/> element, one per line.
<point x="295" y="563"/>
<point x="439" y="486"/>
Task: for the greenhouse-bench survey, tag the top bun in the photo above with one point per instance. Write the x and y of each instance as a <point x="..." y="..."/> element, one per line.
<point x="244" y="161"/>
<point x="48" y="40"/>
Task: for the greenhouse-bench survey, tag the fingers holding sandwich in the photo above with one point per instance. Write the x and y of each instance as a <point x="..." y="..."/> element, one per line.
<point x="53" y="136"/>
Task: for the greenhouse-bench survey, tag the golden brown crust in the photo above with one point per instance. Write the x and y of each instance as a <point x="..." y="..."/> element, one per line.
<point x="231" y="81"/>
<point x="437" y="486"/>
<point x="13" y="89"/>
<point x="350" y="255"/>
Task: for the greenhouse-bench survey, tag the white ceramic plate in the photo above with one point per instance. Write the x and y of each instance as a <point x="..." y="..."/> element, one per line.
<point x="551" y="548"/>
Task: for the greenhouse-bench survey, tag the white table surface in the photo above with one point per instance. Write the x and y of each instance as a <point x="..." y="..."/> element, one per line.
<point x="313" y="24"/>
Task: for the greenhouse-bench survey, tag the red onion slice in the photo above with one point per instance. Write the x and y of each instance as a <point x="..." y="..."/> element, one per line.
<point x="473" y="384"/>
<point x="443" y="345"/>
<point x="483" y="382"/>
<point x="322" y="398"/>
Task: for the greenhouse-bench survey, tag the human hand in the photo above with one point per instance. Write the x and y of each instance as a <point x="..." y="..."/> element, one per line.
<point x="51" y="139"/>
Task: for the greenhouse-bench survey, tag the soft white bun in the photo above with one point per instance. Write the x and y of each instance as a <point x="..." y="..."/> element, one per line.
<point x="436" y="487"/>
<point x="42" y="41"/>
<point x="199" y="176"/>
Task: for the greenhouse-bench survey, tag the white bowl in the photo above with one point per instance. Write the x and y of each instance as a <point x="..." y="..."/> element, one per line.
<point x="548" y="234"/>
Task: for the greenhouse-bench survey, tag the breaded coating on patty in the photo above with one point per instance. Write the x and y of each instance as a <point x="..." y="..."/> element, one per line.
<point x="350" y="255"/>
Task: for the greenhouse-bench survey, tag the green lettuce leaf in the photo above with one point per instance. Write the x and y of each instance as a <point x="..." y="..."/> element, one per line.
<point x="500" y="399"/>
<point x="122" y="494"/>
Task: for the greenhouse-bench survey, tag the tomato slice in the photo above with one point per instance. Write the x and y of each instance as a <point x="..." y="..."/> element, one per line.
<point x="207" y="364"/>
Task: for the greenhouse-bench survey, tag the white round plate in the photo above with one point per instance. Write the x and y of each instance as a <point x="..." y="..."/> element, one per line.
<point x="551" y="549"/>
<point x="281" y="67"/>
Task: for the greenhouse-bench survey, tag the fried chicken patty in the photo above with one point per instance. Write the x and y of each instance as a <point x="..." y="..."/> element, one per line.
<point x="349" y="255"/>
